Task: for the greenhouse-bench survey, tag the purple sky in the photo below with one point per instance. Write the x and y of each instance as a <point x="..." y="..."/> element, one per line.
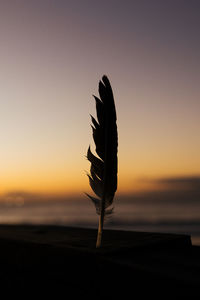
<point x="52" y="55"/>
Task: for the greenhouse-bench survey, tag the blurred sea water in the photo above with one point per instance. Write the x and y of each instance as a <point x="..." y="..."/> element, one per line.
<point x="135" y="215"/>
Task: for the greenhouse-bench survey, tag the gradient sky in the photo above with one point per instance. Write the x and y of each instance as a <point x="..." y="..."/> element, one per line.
<point x="52" y="55"/>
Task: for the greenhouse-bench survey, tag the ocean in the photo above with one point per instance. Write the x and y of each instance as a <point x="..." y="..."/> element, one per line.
<point x="129" y="214"/>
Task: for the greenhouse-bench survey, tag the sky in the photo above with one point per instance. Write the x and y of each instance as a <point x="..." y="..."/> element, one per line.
<point x="53" y="54"/>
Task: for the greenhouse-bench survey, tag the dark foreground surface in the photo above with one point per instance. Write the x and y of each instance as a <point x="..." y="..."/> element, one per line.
<point x="63" y="262"/>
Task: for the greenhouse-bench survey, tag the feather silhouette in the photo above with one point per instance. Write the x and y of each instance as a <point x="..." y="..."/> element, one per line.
<point x="103" y="171"/>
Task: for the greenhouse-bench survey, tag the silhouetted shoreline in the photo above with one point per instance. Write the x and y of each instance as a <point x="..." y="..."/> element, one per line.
<point x="53" y="259"/>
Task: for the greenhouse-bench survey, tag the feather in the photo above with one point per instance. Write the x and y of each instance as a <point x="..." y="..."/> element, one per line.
<point x="103" y="171"/>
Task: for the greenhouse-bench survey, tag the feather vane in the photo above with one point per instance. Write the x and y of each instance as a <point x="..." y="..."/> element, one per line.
<point x="103" y="171"/>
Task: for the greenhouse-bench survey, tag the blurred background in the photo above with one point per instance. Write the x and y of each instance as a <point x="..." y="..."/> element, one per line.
<point x="52" y="55"/>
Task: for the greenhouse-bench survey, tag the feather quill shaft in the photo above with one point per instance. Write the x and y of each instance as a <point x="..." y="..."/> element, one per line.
<point x="103" y="171"/>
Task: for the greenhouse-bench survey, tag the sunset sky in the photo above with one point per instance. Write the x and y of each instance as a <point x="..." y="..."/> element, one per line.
<point x="52" y="55"/>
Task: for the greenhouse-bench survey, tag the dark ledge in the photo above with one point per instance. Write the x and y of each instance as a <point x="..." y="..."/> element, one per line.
<point x="53" y="258"/>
